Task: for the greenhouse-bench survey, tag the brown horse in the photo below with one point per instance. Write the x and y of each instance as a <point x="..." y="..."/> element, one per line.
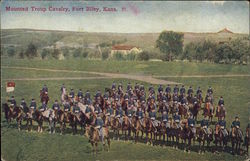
<point x="117" y="126"/>
<point x="136" y="128"/>
<point x="44" y="97"/>
<point x="162" y="131"/>
<point x="220" y="138"/>
<point x="126" y="127"/>
<point x="220" y="112"/>
<point x="175" y="133"/>
<point x="236" y="139"/>
<point x="208" y="110"/>
<point x="187" y="135"/>
<point x="183" y="110"/>
<point x="203" y="137"/>
<point x="8" y="112"/>
<point x="247" y="139"/>
<point x="149" y="129"/>
<point x="94" y="137"/>
<point x="194" y="109"/>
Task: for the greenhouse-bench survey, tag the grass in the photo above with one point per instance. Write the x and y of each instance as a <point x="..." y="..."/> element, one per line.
<point x="132" y="67"/>
<point x="33" y="146"/>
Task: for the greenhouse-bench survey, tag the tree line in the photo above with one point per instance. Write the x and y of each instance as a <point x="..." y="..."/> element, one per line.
<point x="233" y="51"/>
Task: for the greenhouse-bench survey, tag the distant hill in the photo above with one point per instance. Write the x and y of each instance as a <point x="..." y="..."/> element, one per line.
<point x="225" y="30"/>
<point x="146" y="41"/>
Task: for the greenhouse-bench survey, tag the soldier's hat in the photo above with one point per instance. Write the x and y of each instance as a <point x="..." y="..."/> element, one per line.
<point x="56" y="100"/>
<point x="22" y="98"/>
<point x="32" y="99"/>
<point x="12" y="96"/>
<point x="183" y="85"/>
<point x="72" y="89"/>
<point x="236" y="117"/>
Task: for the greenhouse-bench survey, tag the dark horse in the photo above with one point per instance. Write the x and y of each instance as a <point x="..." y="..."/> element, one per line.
<point x="13" y="113"/>
<point x="203" y="137"/>
<point x="220" y="138"/>
<point x="236" y="139"/>
<point x="187" y="135"/>
<point x="44" y="97"/>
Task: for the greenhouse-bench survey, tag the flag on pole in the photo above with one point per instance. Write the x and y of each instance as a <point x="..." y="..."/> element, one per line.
<point x="10" y="86"/>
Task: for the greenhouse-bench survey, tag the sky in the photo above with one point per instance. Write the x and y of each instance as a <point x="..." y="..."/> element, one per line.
<point x="131" y="16"/>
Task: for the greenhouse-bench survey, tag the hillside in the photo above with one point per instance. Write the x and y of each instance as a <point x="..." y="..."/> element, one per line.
<point x="47" y="38"/>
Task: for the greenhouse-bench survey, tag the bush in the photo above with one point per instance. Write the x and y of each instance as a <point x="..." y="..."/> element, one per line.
<point x="31" y="51"/>
<point x="85" y="54"/>
<point x="105" y="54"/>
<point x="21" y="54"/>
<point x="11" y="51"/>
<point x="55" y="54"/>
<point x="143" y="56"/>
<point x="77" y="52"/>
<point x="118" y="56"/>
<point x="44" y="53"/>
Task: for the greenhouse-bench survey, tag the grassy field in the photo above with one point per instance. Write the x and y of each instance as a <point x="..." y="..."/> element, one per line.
<point x="33" y="146"/>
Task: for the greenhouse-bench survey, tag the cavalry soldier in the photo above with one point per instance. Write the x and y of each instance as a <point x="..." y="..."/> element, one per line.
<point x="72" y="94"/>
<point x="45" y="88"/>
<point x="136" y="86"/>
<point x="199" y="91"/>
<point x="222" y="124"/>
<point x="165" y="119"/>
<point x="184" y="100"/>
<point x="165" y="106"/>
<point x="160" y="89"/>
<point x="12" y="102"/>
<point x="177" y="119"/>
<point x="190" y="91"/>
<point x="24" y="106"/>
<point x="210" y="90"/>
<point x="150" y="88"/>
<point x="152" y="116"/>
<point x="129" y="86"/>
<point x="33" y="104"/>
<point x="182" y="90"/>
<point x="97" y="108"/>
<point x="80" y="94"/>
<point x="140" y="115"/>
<point x="191" y="123"/>
<point x="88" y="110"/>
<point x="168" y="89"/>
<point x="76" y="109"/>
<point x="119" y="114"/>
<point x="43" y="107"/>
<point x="205" y="124"/>
<point x="87" y="94"/>
<point x="236" y="123"/>
<point x="113" y="87"/>
<point x="56" y="106"/>
<point x="142" y="87"/>
<point x="66" y="106"/>
<point x="175" y="97"/>
<point x="63" y="88"/>
<point x="176" y="89"/>
<point x="221" y="101"/>
<point x="98" y="125"/>
<point x="120" y="88"/>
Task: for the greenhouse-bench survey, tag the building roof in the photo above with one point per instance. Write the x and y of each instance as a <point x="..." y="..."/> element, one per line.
<point x="225" y="30"/>
<point x="122" y="47"/>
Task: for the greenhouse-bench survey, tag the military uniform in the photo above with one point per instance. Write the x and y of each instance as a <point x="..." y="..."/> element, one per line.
<point x="99" y="124"/>
<point x="66" y="107"/>
<point x="191" y="124"/>
<point x="190" y="91"/>
<point x="176" y="89"/>
<point x="43" y="107"/>
<point x="33" y="105"/>
<point x="119" y="114"/>
<point x="98" y="109"/>
<point x="45" y="89"/>
<point x="56" y="106"/>
<point x="182" y="90"/>
<point x="12" y="102"/>
<point x="80" y="94"/>
<point x="88" y="109"/>
<point x="168" y="89"/>
<point x="222" y="124"/>
<point x="72" y="94"/>
<point x="204" y="125"/>
<point x="221" y="101"/>
<point x="24" y="106"/>
<point x="76" y="109"/>
<point x="177" y="119"/>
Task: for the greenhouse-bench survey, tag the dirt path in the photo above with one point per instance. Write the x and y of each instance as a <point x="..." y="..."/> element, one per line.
<point x="57" y="78"/>
<point x="204" y="76"/>
<point x="148" y="79"/>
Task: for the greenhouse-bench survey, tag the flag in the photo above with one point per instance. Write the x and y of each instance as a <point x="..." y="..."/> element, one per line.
<point x="10" y="86"/>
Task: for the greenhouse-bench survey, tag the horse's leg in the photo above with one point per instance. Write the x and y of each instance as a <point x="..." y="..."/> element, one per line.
<point x="96" y="147"/>
<point x="108" y="140"/>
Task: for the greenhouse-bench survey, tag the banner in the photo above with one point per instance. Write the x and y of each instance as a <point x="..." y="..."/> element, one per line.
<point x="10" y="86"/>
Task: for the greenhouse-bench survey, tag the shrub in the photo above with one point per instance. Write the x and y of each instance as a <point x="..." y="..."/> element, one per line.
<point x="143" y="56"/>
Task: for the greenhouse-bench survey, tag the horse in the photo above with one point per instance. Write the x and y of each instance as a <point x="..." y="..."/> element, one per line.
<point x="220" y="138"/>
<point x="44" y="97"/>
<point x="149" y="129"/>
<point x="116" y="126"/>
<point x="203" y="137"/>
<point x="38" y="117"/>
<point x="8" y="112"/>
<point x="162" y="131"/>
<point x="63" y="94"/>
<point x="187" y="135"/>
<point x="220" y="112"/>
<point x="175" y="134"/>
<point x="94" y="137"/>
<point x="183" y="110"/>
<point x="194" y="109"/>
<point x="126" y="127"/>
<point x="137" y="127"/>
<point x="247" y="139"/>
<point x="209" y="110"/>
<point x="236" y="139"/>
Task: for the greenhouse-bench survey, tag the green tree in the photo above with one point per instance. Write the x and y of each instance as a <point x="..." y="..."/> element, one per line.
<point x="170" y="43"/>
<point x="144" y="56"/>
<point x="77" y="52"/>
<point x="105" y="54"/>
<point x="65" y="52"/>
<point x="11" y="51"/>
<point x="189" y="52"/>
<point x="55" y="54"/>
<point x="85" y="54"/>
<point x="31" y="51"/>
<point x="209" y="50"/>
<point x="21" y="54"/>
<point x="44" y="53"/>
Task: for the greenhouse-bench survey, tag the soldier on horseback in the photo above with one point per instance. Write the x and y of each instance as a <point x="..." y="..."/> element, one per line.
<point x="236" y="124"/>
<point x="97" y="108"/>
<point x="45" y="89"/>
<point x="56" y="106"/>
<point x="72" y="94"/>
<point x="221" y="101"/>
<point x="164" y="119"/>
<point x="198" y="91"/>
<point x="168" y="89"/>
<point x="190" y="91"/>
<point x="222" y="124"/>
<point x="24" y="106"/>
<point x="152" y="116"/>
<point x="160" y="89"/>
<point x="12" y="102"/>
<point x="80" y="94"/>
<point x="98" y="125"/>
<point x="191" y="123"/>
<point x="43" y="107"/>
<point x="119" y="114"/>
<point x="66" y="106"/>
<point x="140" y="115"/>
<point x="177" y="120"/>
<point x="33" y="104"/>
<point x="176" y="89"/>
<point x="205" y="124"/>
